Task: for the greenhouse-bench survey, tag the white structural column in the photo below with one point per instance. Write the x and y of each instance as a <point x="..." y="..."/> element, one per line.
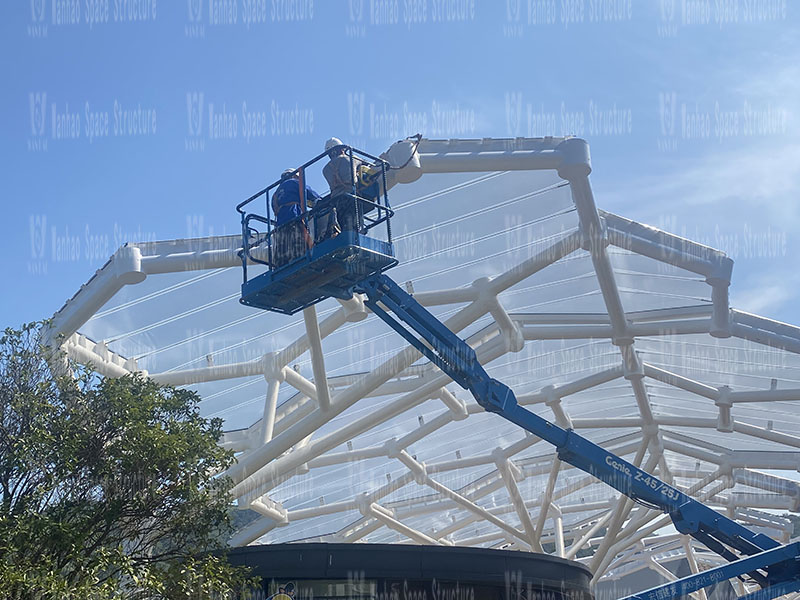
<point x="317" y="358"/>
<point x="270" y="407"/>
<point x="558" y="529"/>
<point x="547" y="498"/>
<point x="575" y="168"/>
<point x="508" y="470"/>
<point x="620" y="511"/>
<point x="692" y="560"/>
<point x="576" y="171"/>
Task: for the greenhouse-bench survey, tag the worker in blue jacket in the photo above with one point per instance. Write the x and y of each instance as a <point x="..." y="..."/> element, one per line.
<point x="286" y="199"/>
<point x="291" y="238"/>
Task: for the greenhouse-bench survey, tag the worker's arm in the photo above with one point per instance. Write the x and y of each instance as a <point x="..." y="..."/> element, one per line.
<point x="311" y="196"/>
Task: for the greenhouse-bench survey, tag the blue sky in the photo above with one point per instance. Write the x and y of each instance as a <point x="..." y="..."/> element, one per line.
<point x="139" y="120"/>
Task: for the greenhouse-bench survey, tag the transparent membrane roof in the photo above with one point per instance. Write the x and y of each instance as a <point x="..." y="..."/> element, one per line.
<point x="701" y="394"/>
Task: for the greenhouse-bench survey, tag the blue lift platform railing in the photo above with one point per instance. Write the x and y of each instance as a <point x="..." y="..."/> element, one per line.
<point x="775" y="568"/>
<point x="330" y="265"/>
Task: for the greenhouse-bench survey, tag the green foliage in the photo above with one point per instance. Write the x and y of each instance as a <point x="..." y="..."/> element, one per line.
<point x="109" y="488"/>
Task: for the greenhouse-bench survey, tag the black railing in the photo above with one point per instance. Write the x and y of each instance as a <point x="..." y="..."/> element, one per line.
<point x="254" y="237"/>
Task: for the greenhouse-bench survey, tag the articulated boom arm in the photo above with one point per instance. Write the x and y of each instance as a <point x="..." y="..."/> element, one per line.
<point x="774" y="567"/>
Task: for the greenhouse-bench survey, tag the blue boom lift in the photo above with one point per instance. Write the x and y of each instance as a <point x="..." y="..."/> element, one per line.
<point x="353" y="262"/>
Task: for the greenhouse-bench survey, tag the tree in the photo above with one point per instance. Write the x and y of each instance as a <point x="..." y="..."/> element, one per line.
<point x="109" y="488"/>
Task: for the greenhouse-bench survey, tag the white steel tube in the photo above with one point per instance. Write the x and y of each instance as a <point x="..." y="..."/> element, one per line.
<point x="392" y="523"/>
<point x="270" y="406"/>
<point x="252" y="531"/>
<point x="472" y="507"/>
<point x="85" y="356"/>
<point x="317" y="358"/>
<point x="592" y="229"/>
<point x="620" y="512"/>
<point x="489" y="161"/>
<point x="581" y="542"/>
<point x="558" y="527"/>
<point x="215" y="373"/>
<point x="681" y="382"/>
<point x="518" y="502"/>
<point x="547" y="498"/>
<point x="564" y="247"/>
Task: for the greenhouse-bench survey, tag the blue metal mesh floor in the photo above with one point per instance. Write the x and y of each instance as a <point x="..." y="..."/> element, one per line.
<point x="329" y="269"/>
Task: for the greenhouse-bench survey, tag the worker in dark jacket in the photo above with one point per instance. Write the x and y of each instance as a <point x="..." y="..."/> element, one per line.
<point x="291" y="238"/>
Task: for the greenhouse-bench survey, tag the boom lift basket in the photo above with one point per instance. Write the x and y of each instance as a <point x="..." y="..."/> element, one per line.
<point x="331" y="266"/>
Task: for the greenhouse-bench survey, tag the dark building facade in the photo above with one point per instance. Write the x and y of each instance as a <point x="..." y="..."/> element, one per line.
<point x="406" y="572"/>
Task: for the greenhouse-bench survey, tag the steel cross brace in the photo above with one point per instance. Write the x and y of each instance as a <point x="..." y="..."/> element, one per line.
<point x="458" y="360"/>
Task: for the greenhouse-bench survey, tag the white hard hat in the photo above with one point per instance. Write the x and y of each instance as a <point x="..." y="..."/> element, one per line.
<point x="332" y="143"/>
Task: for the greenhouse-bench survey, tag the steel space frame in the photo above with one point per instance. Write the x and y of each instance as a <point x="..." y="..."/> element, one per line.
<point x="281" y="444"/>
